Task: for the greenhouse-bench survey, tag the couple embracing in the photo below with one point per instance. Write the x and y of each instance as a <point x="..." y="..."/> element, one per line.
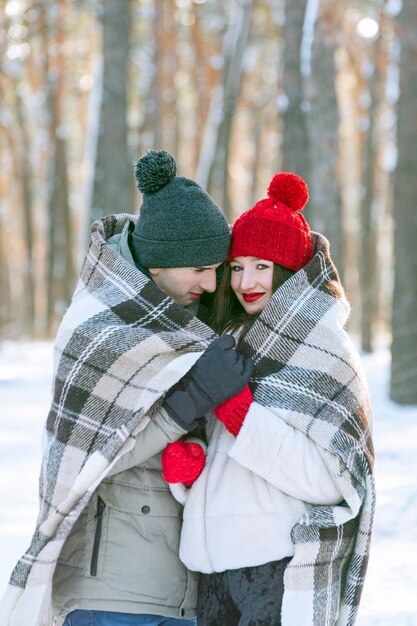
<point x="208" y="449"/>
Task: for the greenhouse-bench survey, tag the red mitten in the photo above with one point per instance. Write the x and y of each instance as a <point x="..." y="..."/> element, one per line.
<point x="233" y="412"/>
<point x="183" y="462"/>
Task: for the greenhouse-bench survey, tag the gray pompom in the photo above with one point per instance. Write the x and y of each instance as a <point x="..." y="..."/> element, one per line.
<point x="154" y="170"/>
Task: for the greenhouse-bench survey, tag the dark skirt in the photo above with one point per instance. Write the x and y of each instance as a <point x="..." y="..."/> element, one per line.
<point x="250" y="596"/>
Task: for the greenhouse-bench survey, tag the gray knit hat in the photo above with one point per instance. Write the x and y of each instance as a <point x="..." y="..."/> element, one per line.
<point x="179" y="224"/>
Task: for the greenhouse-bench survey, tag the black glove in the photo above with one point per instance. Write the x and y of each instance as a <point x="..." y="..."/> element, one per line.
<point x="220" y="373"/>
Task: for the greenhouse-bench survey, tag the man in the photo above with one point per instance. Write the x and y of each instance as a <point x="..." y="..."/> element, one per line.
<point x="130" y="378"/>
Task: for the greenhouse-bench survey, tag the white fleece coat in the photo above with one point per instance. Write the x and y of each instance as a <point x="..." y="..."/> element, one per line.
<point x="253" y="490"/>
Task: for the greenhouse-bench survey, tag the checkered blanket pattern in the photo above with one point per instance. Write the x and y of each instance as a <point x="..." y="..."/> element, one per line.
<point x="120" y="346"/>
<point x="307" y="367"/>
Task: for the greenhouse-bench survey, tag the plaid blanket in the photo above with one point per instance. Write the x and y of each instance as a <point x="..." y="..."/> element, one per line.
<point x="121" y="345"/>
<point x="307" y="368"/>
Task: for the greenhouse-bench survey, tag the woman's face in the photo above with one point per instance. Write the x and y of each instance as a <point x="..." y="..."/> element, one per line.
<point x="251" y="280"/>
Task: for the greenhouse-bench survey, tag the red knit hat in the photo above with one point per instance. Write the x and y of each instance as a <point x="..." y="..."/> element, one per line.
<point x="273" y="229"/>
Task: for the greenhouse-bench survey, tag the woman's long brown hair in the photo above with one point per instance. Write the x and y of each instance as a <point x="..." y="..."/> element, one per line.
<point x="227" y="312"/>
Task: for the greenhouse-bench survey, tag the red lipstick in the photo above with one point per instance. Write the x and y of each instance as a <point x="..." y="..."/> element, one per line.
<point x="252" y="297"/>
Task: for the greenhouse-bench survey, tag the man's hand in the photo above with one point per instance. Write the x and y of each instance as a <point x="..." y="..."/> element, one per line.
<point x="219" y="374"/>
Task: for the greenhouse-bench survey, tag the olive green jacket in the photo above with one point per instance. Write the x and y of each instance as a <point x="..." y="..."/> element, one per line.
<point x="122" y="553"/>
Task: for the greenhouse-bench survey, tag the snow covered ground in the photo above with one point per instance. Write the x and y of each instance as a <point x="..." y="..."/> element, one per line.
<point x="390" y="595"/>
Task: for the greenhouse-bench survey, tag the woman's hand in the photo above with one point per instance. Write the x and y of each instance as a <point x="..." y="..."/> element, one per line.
<point x="183" y="462"/>
<point x="233" y="412"/>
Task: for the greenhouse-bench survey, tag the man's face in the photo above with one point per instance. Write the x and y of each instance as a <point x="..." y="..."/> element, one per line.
<point x="185" y="285"/>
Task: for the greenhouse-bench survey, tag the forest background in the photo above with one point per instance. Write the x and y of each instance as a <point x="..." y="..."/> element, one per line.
<point x="236" y="90"/>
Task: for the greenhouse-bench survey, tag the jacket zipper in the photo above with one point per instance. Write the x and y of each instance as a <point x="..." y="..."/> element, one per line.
<point x="97" y="536"/>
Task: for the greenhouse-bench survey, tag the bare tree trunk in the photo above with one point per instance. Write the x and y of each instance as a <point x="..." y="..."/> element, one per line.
<point x="209" y="137"/>
<point x="404" y="321"/>
<point x="149" y="131"/>
<point x="257" y="136"/>
<point x="295" y="154"/>
<point x="235" y="42"/>
<point x="90" y="151"/>
<point x="205" y="78"/>
<point x="369" y="214"/>
<point x="169" y="67"/>
<point x="20" y="151"/>
<point x="113" y="169"/>
<point x="60" y="273"/>
<point x="325" y="206"/>
<point x="25" y="179"/>
<point x="155" y="102"/>
<point x="5" y="300"/>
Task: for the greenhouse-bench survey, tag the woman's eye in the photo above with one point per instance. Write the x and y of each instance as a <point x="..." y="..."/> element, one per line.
<point x="236" y="268"/>
<point x="261" y="266"/>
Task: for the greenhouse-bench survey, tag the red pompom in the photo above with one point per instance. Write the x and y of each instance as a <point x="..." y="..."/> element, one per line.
<point x="289" y="189"/>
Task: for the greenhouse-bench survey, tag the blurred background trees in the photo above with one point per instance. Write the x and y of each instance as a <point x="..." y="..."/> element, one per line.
<point x="235" y="89"/>
<point x="404" y="345"/>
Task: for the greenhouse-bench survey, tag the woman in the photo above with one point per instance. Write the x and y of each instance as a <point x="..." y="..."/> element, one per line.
<point x="279" y="521"/>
